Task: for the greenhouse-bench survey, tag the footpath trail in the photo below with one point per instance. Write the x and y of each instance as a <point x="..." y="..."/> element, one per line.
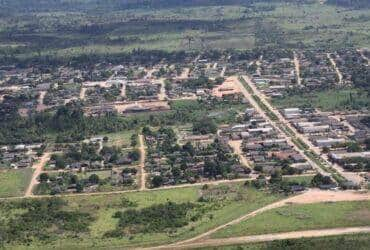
<point x="142" y="163"/>
<point x="38" y="167"/>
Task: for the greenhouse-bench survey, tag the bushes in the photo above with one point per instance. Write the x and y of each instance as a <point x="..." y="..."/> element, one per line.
<point x="205" y="126"/>
<point x="156" y="218"/>
<point x="43" y="219"/>
<point x="320" y="179"/>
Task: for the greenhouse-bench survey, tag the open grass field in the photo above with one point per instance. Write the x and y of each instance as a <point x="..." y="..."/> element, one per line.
<point x="14" y="182"/>
<point x="327" y="100"/>
<point x="302" y="217"/>
<point x="119" y="139"/>
<point x="306" y="178"/>
<point x="240" y="200"/>
<point x="356" y="241"/>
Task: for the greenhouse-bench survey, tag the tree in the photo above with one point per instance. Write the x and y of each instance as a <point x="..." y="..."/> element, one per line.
<point x="60" y="162"/>
<point x="276" y="177"/>
<point x="204" y="126"/>
<point x="354" y="147"/>
<point x="79" y="187"/>
<point x="94" y="179"/>
<point x="44" y="177"/>
<point x="134" y="140"/>
<point x="157" y="181"/>
<point x="367" y="143"/>
<point x="134" y="155"/>
<point x="320" y="179"/>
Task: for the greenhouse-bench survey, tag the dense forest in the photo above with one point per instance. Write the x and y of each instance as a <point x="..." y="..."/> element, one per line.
<point x="108" y="5"/>
<point x="350" y="3"/>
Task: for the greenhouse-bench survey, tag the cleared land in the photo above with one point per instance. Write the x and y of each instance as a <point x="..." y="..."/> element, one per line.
<point x="239" y="200"/>
<point x="14" y="182"/>
<point x="352" y="241"/>
<point x="326" y="100"/>
<point x="302" y="217"/>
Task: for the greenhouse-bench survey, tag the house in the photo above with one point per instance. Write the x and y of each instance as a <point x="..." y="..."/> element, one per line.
<point x="328" y="142"/>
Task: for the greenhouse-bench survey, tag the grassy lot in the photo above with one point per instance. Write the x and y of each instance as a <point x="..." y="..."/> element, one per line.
<point x="328" y="100"/>
<point x="238" y="201"/>
<point x="220" y="112"/>
<point x="121" y="139"/>
<point x="14" y="182"/>
<point x="306" y="178"/>
<point x="356" y="241"/>
<point x="302" y="217"/>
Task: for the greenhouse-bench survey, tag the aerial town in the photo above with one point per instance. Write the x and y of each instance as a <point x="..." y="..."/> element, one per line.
<point x="204" y="146"/>
<point x="241" y="135"/>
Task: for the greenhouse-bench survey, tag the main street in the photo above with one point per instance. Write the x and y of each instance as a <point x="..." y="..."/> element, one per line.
<point x="259" y="110"/>
<point x="348" y="175"/>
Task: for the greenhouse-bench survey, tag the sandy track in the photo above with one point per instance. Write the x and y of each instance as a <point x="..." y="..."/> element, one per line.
<point x="311" y="196"/>
<point x="337" y="71"/>
<point x="272" y="237"/>
<point x="215" y="183"/>
<point x="142" y="163"/>
<point x="37" y="170"/>
<point x="297" y="69"/>
<point x="236" y="145"/>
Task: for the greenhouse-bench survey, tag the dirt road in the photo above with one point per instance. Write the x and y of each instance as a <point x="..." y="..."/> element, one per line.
<point x="142" y="163"/>
<point x="361" y="51"/>
<point x="311" y="196"/>
<point x="40" y="102"/>
<point x="352" y="177"/>
<point x="297" y="69"/>
<point x="333" y="63"/>
<point x="215" y="183"/>
<point x="257" y="107"/>
<point x="271" y="237"/>
<point x="83" y="93"/>
<point x="37" y="170"/>
<point x="236" y="145"/>
<point x="162" y="92"/>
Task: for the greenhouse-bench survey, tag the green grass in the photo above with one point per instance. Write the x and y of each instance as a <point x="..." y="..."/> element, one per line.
<point x="300" y="144"/>
<point x="320" y="162"/>
<point x="102" y="174"/>
<point x="302" y="217"/>
<point x="342" y="242"/>
<point x="305" y="178"/>
<point x="327" y="100"/>
<point x="121" y="139"/>
<point x="104" y="206"/>
<point x="14" y="182"/>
